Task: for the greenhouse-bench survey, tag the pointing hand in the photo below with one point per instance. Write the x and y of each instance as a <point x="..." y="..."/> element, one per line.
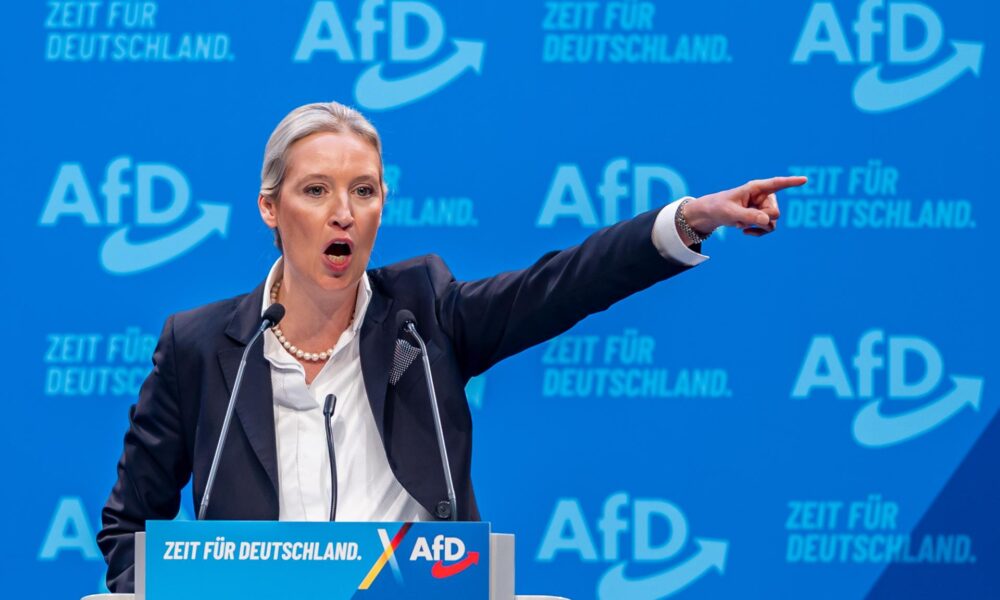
<point x="753" y="207"/>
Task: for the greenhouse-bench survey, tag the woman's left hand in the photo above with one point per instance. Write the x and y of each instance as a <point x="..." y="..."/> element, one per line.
<point x="753" y="207"/>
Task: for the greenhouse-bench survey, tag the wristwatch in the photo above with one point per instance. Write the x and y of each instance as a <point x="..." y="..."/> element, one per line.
<point x="689" y="231"/>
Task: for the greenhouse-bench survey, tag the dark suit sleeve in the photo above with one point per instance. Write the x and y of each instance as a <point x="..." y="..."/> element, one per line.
<point x="491" y="319"/>
<point x="153" y="468"/>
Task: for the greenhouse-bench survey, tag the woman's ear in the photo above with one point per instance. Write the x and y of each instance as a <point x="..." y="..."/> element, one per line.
<point x="268" y="210"/>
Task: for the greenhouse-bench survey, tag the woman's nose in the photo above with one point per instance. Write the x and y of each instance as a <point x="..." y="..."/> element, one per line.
<point x="341" y="216"/>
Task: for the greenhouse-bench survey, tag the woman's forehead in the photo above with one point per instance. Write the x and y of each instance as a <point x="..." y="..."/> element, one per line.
<point x="331" y="152"/>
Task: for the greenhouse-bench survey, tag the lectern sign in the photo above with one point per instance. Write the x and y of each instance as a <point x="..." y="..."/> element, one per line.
<point x="265" y="560"/>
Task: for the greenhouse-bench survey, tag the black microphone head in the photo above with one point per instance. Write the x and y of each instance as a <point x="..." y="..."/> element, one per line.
<point x="328" y="405"/>
<point x="403" y="317"/>
<point x="274" y="313"/>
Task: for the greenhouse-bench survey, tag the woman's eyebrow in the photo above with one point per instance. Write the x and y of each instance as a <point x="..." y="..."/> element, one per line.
<point x="314" y="176"/>
<point x="324" y="177"/>
<point x="366" y="177"/>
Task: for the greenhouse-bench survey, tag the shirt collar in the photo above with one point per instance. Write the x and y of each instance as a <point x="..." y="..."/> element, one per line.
<point x="360" y="305"/>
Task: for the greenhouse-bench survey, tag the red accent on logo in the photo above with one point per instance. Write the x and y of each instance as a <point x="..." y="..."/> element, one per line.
<point x="399" y="535"/>
<point x="440" y="571"/>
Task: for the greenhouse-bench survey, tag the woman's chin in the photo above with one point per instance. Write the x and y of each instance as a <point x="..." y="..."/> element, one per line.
<point x="335" y="279"/>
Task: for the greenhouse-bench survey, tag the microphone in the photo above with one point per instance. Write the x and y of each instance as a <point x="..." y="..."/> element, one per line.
<point x="271" y="317"/>
<point x="328" y="406"/>
<point x="407" y="323"/>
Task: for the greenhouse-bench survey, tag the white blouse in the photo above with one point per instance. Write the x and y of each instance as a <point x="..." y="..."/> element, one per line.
<point x="367" y="489"/>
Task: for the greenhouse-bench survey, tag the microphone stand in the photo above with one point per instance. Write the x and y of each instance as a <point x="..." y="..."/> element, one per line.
<point x="411" y="328"/>
<point x="272" y="315"/>
<point x="328" y="408"/>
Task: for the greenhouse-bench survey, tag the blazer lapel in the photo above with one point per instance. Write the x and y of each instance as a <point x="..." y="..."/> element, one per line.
<point x="255" y="407"/>
<point x="255" y="404"/>
<point x="377" y="346"/>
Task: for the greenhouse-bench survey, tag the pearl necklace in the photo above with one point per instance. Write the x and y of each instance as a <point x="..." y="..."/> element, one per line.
<point x="296" y="352"/>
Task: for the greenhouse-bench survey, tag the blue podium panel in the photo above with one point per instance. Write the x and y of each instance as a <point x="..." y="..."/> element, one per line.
<point x="268" y="559"/>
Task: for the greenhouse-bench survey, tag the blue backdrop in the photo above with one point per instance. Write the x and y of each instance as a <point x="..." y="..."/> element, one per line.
<point x="806" y="415"/>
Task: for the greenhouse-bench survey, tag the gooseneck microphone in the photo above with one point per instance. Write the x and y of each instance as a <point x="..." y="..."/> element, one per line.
<point x="328" y="408"/>
<point x="407" y="323"/>
<point x="271" y="317"/>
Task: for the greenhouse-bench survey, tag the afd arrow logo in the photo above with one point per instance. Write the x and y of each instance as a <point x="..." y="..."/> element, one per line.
<point x="615" y="584"/>
<point x="898" y="23"/>
<point x="872" y="94"/>
<point x="444" y="548"/>
<point x="568" y="533"/>
<point x="325" y="33"/>
<point x="71" y="198"/>
<point x="900" y="357"/>
<point x="873" y="429"/>
<point x="121" y="257"/>
<point x="375" y="92"/>
<point x="443" y="571"/>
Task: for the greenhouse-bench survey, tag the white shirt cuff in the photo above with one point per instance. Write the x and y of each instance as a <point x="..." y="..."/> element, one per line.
<point x="668" y="241"/>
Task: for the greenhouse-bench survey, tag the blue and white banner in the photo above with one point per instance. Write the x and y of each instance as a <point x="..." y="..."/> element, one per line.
<point x="807" y="415"/>
<point x="366" y="561"/>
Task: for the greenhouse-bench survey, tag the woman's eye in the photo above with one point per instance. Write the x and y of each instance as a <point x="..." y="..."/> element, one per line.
<point x="314" y="190"/>
<point x="365" y="191"/>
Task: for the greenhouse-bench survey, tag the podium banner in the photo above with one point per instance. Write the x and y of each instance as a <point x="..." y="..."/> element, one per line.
<point x="265" y="560"/>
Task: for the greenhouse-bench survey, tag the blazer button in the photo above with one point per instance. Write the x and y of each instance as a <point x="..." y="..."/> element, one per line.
<point x="443" y="510"/>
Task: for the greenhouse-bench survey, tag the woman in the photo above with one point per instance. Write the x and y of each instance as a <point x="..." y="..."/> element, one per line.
<point x="322" y="192"/>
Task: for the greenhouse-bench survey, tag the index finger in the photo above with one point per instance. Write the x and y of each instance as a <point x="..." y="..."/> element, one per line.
<point x="776" y="184"/>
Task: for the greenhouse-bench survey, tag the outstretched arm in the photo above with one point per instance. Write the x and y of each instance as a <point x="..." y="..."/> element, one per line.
<point x="493" y="318"/>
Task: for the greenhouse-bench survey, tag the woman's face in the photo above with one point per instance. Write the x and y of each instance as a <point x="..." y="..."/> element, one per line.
<point x="328" y="210"/>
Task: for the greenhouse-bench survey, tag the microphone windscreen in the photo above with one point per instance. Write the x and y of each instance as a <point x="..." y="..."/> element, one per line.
<point x="274" y="313"/>
<point x="402" y="317"/>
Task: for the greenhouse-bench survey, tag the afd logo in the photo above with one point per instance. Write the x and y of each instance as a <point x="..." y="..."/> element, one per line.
<point x="901" y="24"/>
<point x="444" y="549"/>
<point x="874" y="426"/>
<point x="325" y="32"/>
<point x="439" y="551"/>
<point x="72" y="197"/>
<point x="568" y="532"/>
<point x="625" y="190"/>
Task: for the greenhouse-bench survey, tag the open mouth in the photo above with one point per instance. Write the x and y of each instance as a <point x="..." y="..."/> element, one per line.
<point x="338" y="252"/>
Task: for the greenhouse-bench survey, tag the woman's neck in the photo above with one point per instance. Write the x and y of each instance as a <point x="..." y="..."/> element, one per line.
<point x="315" y="318"/>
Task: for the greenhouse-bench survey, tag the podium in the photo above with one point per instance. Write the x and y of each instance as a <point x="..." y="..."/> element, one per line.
<point x="251" y="560"/>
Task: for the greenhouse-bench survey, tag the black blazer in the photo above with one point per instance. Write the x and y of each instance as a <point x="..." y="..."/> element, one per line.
<point x="469" y="326"/>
